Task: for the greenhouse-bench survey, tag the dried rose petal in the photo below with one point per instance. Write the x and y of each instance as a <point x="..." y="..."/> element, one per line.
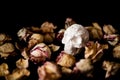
<point x="4" y="69"/>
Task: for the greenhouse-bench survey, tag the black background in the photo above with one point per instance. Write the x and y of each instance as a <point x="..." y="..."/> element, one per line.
<point x="11" y="23"/>
<point x="34" y="13"/>
<point x="18" y="14"/>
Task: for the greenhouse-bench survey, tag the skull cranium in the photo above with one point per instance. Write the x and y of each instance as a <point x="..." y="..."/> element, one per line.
<point x="75" y="37"/>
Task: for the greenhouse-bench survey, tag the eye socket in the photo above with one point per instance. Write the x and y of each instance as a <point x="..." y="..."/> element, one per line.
<point x="76" y="41"/>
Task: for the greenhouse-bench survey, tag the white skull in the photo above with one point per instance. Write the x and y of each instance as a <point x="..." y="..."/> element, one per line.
<point x="75" y="37"/>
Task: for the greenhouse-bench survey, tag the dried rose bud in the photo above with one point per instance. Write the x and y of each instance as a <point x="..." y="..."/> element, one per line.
<point x="66" y="70"/>
<point x="65" y="60"/>
<point x="84" y="66"/>
<point x="17" y="74"/>
<point x="111" y="68"/>
<point x="112" y="39"/>
<point x="25" y="53"/>
<point x="23" y="34"/>
<point x="40" y="53"/>
<point x="49" y="37"/>
<point x="47" y="27"/>
<point x="34" y="39"/>
<point x="54" y="47"/>
<point x="116" y="52"/>
<point x="35" y="29"/>
<point x="22" y="63"/>
<point x="94" y="51"/>
<point x="109" y="29"/>
<point x="69" y="21"/>
<point x="49" y="71"/>
<point x="95" y="31"/>
<point x="4" y="37"/>
<point x="7" y="47"/>
<point x="96" y="25"/>
<point x="6" y="50"/>
<point x="60" y="34"/>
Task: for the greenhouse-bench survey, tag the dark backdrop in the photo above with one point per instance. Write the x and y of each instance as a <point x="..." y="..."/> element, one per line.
<point x="15" y="22"/>
<point x="14" y="16"/>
